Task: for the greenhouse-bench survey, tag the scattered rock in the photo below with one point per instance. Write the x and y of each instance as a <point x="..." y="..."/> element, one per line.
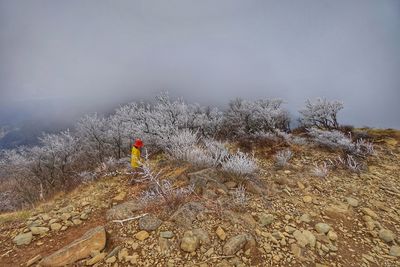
<point x="94" y="239"/>
<point x="386" y="235"/>
<point x="305" y="218"/>
<point x="265" y="219"/>
<point x="202" y="235"/>
<point x="234" y="244"/>
<point x="369" y="212"/>
<point x="124" y="210"/>
<point x="142" y="235"/>
<point x="55" y="226"/>
<point x="301" y="239"/>
<point x="167" y="234"/>
<point x="296" y="250"/>
<point x="322" y="228"/>
<point x="337" y="211"/>
<point x="352" y="201"/>
<point x="23" y="239"/>
<point x="186" y="214"/>
<point x="39" y="230"/>
<point x="190" y="242"/>
<point x="310" y="238"/>
<point x="332" y="235"/>
<point x="76" y="221"/>
<point x="149" y="223"/>
<point x="307" y="199"/>
<point x="394" y="251"/>
<point x="220" y="233"/>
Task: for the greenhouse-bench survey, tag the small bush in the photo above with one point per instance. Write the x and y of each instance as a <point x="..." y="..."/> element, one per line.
<point x="338" y="140"/>
<point x="282" y="158"/>
<point x="348" y="162"/>
<point x="240" y="164"/>
<point x="320" y="170"/>
<point x="240" y="197"/>
<point x="161" y="190"/>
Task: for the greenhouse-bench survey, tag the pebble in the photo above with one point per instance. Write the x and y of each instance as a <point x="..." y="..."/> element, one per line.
<point x="394" y="251"/>
<point x="142" y="235"/>
<point x="307" y="199"/>
<point x="386" y="235"/>
<point x="220" y="233"/>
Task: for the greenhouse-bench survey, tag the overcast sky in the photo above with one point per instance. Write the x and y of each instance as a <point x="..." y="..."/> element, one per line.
<point x="70" y="55"/>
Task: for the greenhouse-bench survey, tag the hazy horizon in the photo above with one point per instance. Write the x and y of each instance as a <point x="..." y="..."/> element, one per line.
<point x="61" y="59"/>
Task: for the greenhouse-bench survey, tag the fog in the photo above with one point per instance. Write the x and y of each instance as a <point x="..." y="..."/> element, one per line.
<point x="62" y="58"/>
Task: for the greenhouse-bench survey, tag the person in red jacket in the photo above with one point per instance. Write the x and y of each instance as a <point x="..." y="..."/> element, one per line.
<point x="135" y="154"/>
<point x="135" y="159"/>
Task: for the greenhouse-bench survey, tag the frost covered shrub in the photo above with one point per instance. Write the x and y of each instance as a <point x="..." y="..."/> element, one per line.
<point x="320" y="170"/>
<point x="239" y="196"/>
<point x="240" y="164"/>
<point x="321" y="114"/>
<point x="338" y="140"/>
<point x="364" y="148"/>
<point x="331" y="139"/>
<point x="187" y="146"/>
<point x="160" y="191"/>
<point x="248" y="117"/>
<point x="282" y="157"/>
<point x="349" y="162"/>
<point x="216" y="151"/>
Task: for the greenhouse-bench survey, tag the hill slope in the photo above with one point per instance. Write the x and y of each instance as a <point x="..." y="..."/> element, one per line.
<point x="290" y="218"/>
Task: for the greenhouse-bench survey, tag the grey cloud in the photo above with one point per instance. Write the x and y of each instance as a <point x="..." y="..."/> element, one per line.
<point x="85" y="55"/>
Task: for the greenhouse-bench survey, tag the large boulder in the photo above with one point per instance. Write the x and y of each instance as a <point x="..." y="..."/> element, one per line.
<point x="92" y="240"/>
<point x="122" y="211"/>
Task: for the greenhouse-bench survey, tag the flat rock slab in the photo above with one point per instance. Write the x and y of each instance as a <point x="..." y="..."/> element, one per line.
<point x="122" y="211"/>
<point x="92" y="240"/>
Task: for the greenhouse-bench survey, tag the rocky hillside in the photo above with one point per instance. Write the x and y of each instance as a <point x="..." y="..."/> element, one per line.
<point x="289" y="217"/>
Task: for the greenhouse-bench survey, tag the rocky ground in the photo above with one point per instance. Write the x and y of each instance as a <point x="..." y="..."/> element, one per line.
<point x="290" y="218"/>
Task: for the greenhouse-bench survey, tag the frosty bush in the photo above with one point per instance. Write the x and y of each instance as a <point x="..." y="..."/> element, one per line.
<point x="349" y="162"/>
<point x="338" y="140"/>
<point x="332" y="139"/>
<point x="161" y="190"/>
<point x="364" y="148"/>
<point x="187" y="146"/>
<point x="320" y="170"/>
<point x="282" y="157"/>
<point x="239" y="196"/>
<point x="247" y="117"/>
<point x="321" y="114"/>
<point x="240" y="164"/>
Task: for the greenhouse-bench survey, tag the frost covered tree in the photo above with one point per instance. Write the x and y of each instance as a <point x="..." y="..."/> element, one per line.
<point x="245" y="117"/>
<point x="92" y="133"/>
<point x="321" y="114"/>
